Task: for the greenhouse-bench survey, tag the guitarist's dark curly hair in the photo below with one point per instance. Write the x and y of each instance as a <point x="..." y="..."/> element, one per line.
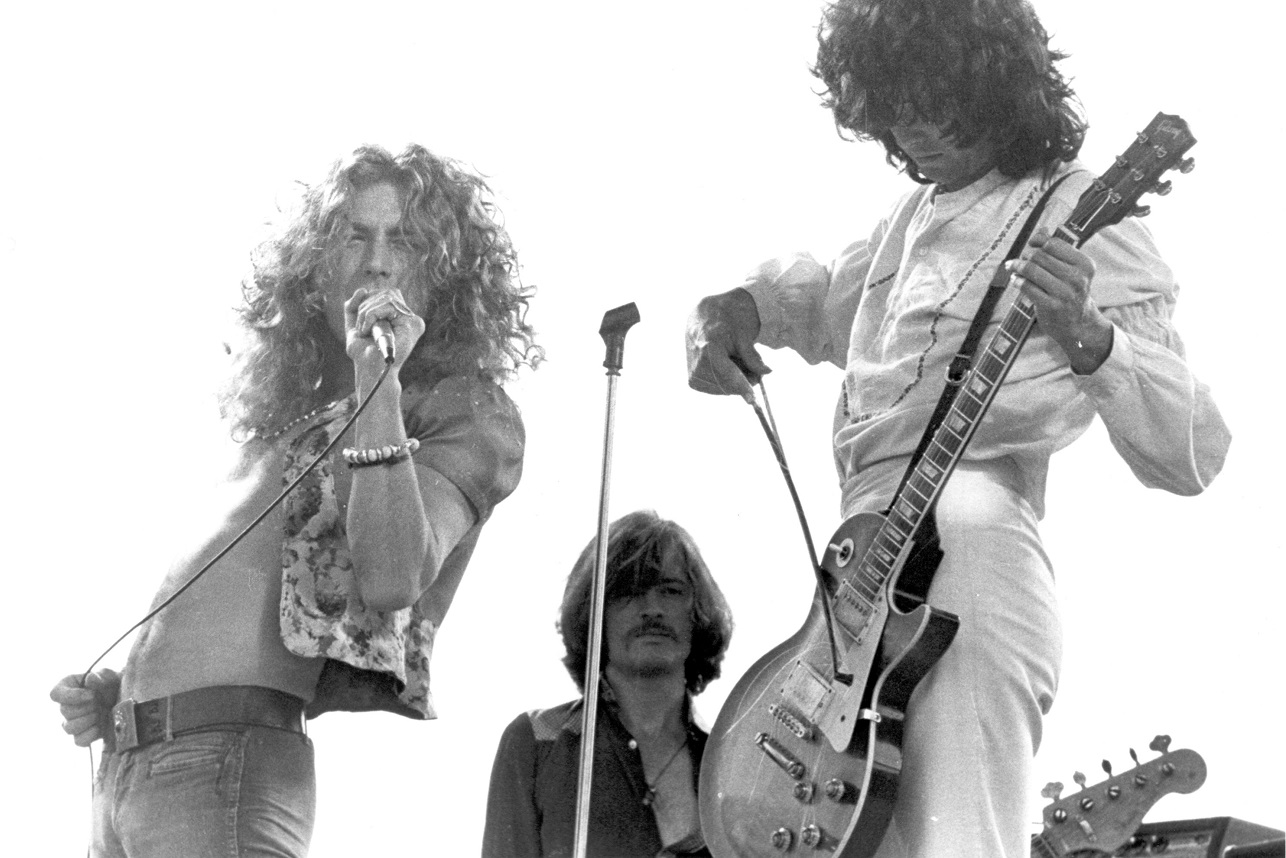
<point x="976" y="68"/>
<point x="640" y="547"/>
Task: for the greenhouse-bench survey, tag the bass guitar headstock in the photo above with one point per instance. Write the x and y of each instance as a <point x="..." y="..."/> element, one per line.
<point x="1115" y="194"/>
<point x="1101" y="818"/>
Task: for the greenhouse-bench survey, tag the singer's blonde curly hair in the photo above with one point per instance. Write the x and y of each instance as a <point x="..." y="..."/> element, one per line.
<point x="476" y="307"/>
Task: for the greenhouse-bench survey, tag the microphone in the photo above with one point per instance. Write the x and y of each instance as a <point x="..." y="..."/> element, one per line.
<point x="382" y="331"/>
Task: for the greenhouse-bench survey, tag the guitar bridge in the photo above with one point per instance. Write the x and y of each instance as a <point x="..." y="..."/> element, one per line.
<point x="792" y="721"/>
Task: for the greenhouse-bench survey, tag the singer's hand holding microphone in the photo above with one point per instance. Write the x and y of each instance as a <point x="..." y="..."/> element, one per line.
<point x="379" y="323"/>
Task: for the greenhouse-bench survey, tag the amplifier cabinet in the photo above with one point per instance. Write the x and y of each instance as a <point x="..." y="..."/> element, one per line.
<point x="1216" y="837"/>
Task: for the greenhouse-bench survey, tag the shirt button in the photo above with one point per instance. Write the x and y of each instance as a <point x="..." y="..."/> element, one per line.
<point x="634" y="745"/>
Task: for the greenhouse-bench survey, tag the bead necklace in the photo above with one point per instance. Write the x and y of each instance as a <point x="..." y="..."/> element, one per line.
<point x="302" y="419"/>
<point x="650" y="798"/>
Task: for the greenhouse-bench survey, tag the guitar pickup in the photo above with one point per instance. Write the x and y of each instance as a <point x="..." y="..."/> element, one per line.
<point x="852" y="610"/>
<point x="788" y="762"/>
<point x="806" y="692"/>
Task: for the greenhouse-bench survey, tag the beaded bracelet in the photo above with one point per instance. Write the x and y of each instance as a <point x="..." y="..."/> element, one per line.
<point x="380" y="455"/>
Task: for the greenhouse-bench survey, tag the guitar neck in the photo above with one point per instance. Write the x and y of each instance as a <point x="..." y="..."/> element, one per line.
<point x="1110" y="197"/>
<point x="947" y="446"/>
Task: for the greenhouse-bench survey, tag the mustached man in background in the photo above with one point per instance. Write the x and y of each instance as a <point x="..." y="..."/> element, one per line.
<point x="666" y="627"/>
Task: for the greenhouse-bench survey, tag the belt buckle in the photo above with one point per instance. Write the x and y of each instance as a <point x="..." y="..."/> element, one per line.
<point x="143" y="723"/>
<point x="124" y="726"/>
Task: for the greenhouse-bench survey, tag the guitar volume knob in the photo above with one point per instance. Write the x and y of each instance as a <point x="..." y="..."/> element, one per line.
<point x="841" y="792"/>
<point x="782" y="839"/>
<point x="812" y="836"/>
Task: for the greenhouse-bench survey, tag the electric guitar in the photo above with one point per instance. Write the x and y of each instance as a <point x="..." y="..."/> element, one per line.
<point x="807" y="749"/>
<point x="1099" y="820"/>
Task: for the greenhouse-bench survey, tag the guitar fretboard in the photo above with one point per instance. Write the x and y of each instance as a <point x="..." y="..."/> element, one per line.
<point x="1109" y="198"/>
<point x="945" y="449"/>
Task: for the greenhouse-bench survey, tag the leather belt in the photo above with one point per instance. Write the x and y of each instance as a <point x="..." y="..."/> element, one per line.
<point x="137" y="724"/>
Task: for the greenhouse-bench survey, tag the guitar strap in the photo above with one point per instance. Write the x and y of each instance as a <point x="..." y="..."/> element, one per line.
<point x="960" y="364"/>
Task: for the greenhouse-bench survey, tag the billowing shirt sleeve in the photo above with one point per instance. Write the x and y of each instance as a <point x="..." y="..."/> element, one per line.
<point x="471" y="433"/>
<point x="513" y="822"/>
<point x="1161" y="419"/>
<point x="809" y="307"/>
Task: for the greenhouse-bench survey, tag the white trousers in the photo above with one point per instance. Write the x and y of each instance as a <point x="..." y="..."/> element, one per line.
<point x="974" y="723"/>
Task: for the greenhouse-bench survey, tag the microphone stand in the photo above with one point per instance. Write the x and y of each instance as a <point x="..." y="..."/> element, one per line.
<point x="615" y="325"/>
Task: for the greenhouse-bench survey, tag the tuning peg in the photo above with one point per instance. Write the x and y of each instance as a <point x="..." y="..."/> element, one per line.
<point x="1107" y="767"/>
<point x="1134" y="756"/>
<point x="1141" y="211"/>
<point x="1079" y="777"/>
<point x="1162" y="188"/>
<point x="1186" y="165"/>
<point x="1160" y="744"/>
<point x="1053" y="790"/>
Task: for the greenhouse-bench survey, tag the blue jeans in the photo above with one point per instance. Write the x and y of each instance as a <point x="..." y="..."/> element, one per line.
<point x="245" y="791"/>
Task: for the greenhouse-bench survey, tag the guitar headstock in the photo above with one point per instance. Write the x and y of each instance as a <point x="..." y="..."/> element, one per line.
<point x="1115" y="194"/>
<point x="1103" y="817"/>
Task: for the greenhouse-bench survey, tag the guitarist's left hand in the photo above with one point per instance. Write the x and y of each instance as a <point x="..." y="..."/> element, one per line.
<point x="1056" y="278"/>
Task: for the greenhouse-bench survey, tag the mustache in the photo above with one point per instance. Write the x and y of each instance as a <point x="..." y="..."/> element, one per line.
<point x="654" y="627"/>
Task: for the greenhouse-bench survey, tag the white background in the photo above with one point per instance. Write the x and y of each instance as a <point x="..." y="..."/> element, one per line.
<point x="642" y="152"/>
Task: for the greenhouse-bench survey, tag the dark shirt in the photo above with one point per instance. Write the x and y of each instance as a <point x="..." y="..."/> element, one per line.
<point x="531" y="807"/>
<point x="472" y="434"/>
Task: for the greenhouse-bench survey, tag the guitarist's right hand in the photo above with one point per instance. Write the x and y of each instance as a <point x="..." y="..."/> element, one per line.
<point x="721" y="345"/>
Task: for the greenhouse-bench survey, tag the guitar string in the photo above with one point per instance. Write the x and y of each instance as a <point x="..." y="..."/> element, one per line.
<point x="93" y="769"/>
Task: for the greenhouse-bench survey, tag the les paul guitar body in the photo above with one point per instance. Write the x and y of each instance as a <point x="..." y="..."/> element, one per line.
<point x="802" y="761"/>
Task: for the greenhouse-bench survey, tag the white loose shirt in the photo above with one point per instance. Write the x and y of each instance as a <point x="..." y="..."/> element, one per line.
<point x="894" y="308"/>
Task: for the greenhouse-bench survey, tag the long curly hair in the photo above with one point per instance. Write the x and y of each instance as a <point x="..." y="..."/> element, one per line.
<point x="978" y="69"/>
<point x="641" y="546"/>
<point x="475" y="316"/>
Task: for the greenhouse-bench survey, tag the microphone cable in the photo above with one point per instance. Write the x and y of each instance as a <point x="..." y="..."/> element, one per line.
<point x="388" y="364"/>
